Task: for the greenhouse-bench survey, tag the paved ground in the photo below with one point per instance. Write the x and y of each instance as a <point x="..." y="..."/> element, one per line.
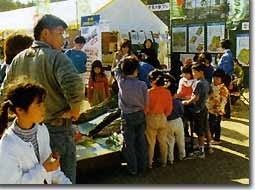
<point x="229" y="164"/>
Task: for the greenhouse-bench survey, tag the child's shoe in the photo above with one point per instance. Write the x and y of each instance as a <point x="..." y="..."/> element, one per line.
<point x="170" y="162"/>
<point x="210" y="150"/>
<point x="199" y="154"/>
<point x="216" y="142"/>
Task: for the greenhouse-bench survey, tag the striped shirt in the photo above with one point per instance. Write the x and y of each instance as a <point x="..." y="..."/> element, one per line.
<point x="28" y="135"/>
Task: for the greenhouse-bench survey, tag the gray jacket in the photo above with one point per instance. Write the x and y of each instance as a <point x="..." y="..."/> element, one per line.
<point x="54" y="70"/>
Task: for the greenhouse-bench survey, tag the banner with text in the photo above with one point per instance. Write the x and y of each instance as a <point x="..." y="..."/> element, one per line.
<point x="90" y="30"/>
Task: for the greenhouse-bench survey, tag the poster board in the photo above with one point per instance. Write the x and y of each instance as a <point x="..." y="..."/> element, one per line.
<point x="141" y="36"/>
<point x="196" y="38"/>
<point x="242" y="49"/>
<point x="134" y="37"/>
<point x="179" y="38"/>
<point x="215" y="32"/>
<point x="90" y="30"/>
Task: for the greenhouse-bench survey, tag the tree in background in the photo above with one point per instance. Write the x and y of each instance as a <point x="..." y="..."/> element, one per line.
<point x="8" y="5"/>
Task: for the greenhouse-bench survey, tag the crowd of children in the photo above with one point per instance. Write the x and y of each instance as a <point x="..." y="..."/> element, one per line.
<point x="155" y="109"/>
<point x="171" y="111"/>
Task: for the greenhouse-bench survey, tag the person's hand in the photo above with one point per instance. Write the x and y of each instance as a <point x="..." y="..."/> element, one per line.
<point x="185" y="102"/>
<point x="52" y="164"/>
<point x="74" y="114"/>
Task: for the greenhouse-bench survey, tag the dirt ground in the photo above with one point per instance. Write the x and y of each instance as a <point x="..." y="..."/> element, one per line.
<point x="228" y="165"/>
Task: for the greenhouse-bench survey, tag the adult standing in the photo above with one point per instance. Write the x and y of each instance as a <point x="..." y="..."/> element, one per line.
<point x="124" y="51"/>
<point x="45" y="63"/>
<point x="176" y="66"/>
<point x="13" y="44"/>
<point x="226" y="64"/>
<point x="78" y="57"/>
<point x="151" y="54"/>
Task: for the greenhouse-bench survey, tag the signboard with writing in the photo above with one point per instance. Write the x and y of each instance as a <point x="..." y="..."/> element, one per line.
<point x="90" y="20"/>
<point x="245" y="26"/>
<point x="239" y="9"/>
<point x="159" y="7"/>
<point x="90" y="29"/>
<point x="215" y="32"/>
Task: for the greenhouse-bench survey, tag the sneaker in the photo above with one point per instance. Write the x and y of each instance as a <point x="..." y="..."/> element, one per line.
<point x="216" y="142"/>
<point x="200" y="154"/>
<point x="132" y="173"/>
<point x="163" y="165"/>
<point x="170" y="162"/>
<point x="210" y="151"/>
<point x="182" y="156"/>
<point x="190" y="156"/>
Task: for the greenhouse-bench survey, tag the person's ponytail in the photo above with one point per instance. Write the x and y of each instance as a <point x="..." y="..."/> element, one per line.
<point x="4" y="115"/>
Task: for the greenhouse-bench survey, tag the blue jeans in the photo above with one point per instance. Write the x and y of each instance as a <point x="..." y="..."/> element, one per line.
<point x="62" y="141"/>
<point x="214" y="123"/>
<point x="135" y="147"/>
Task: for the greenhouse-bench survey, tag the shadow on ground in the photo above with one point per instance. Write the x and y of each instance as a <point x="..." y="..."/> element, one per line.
<point x="233" y="134"/>
<point x="229" y="162"/>
<point x="219" y="168"/>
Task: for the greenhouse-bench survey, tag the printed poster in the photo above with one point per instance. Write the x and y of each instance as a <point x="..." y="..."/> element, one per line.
<point x="215" y="32"/>
<point x="196" y="38"/>
<point x="90" y="30"/>
<point x="179" y="37"/>
<point x="134" y="37"/>
<point x="242" y="49"/>
<point x="141" y="36"/>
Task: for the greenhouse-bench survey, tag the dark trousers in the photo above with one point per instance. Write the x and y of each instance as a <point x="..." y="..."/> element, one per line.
<point x="200" y="122"/>
<point x="215" y="128"/>
<point x="187" y="120"/>
<point x="228" y="109"/>
<point x="135" y="147"/>
<point x="227" y="82"/>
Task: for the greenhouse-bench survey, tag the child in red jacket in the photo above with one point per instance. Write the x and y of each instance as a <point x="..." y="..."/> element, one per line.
<point x="157" y="110"/>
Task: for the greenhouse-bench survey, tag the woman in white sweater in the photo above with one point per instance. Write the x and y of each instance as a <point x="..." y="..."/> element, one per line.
<point x="25" y="153"/>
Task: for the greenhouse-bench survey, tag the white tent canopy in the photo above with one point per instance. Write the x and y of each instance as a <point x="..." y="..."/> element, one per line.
<point x="127" y="15"/>
<point x="122" y="15"/>
<point x="66" y="10"/>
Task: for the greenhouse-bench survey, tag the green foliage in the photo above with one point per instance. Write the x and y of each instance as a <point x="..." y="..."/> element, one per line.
<point x="7" y="5"/>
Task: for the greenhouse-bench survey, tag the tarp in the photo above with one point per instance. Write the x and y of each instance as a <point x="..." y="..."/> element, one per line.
<point x="123" y="15"/>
